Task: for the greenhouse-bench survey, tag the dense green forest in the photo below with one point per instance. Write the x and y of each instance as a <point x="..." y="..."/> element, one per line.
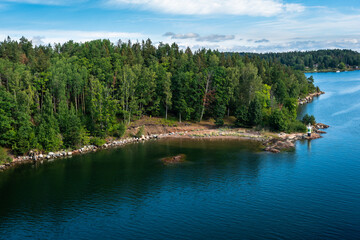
<point x="67" y="95"/>
<point x="314" y="60"/>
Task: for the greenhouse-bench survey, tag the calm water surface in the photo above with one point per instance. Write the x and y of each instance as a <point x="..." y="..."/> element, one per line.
<point x="226" y="190"/>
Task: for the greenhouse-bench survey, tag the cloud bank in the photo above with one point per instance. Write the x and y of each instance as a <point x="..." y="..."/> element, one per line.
<point x="60" y="36"/>
<point x="265" y="8"/>
<point x="197" y="37"/>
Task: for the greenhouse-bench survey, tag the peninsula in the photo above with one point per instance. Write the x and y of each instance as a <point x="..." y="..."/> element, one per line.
<point x="57" y="99"/>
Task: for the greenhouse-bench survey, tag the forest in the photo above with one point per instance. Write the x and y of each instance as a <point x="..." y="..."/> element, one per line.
<point x="315" y="60"/>
<point x="68" y="95"/>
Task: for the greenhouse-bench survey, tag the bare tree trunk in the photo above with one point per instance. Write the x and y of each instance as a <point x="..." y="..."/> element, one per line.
<point x="204" y="99"/>
<point x="179" y="117"/>
<point x="129" y="117"/>
<point x="83" y="101"/>
<point x="166" y="112"/>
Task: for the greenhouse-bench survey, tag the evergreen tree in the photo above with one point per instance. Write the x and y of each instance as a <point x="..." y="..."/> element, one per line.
<point x="48" y="134"/>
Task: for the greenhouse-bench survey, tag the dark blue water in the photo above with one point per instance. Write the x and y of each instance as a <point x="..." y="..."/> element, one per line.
<point x="226" y="190"/>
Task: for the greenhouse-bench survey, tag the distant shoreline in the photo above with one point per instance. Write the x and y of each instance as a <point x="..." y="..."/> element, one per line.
<point x="331" y="70"/>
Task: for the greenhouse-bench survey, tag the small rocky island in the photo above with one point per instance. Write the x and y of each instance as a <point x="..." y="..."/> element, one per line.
<point x="174" y="159"/>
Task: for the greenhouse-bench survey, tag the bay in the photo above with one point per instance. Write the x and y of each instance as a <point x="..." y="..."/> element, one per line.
<point x="226" y="189"/>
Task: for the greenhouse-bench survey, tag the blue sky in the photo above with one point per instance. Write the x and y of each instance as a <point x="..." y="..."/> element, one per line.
<point x="227" y="25"/>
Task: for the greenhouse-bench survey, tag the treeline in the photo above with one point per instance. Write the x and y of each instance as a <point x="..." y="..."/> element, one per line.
<point x="70" y="94"/>
<point x="311" y="60"/>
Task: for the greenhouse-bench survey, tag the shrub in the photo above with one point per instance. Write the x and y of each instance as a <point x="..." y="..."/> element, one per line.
<point x="97" y="141"/>
<point x="84" y="136"/>
<point x="140" y="132"/>
<point x="296" y="126"/>
<point x="309" y="119"/>
<point x="118" y="130"/>
<point x="4" y="157"/>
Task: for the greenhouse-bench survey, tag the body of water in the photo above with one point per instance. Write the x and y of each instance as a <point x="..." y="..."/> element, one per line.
<point x="226" y="189"/>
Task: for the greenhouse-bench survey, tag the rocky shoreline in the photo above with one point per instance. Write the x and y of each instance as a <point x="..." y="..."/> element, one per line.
<point x="309" y="98"/>
<point x="286" y="142"/>
<point x="272" y="142"/>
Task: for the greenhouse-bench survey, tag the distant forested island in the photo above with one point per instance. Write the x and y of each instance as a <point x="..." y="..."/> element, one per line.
<point x="68" y="95"/>
<point x="320" y="60"/>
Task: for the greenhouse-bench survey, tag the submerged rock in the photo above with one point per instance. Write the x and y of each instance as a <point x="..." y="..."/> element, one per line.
<point x="174" y="159"/>
<point x="278" y="145"/>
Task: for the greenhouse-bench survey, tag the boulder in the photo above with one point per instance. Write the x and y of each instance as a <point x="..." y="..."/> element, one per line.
<point x="321" y="126"/>
<point x="272" y="149"/>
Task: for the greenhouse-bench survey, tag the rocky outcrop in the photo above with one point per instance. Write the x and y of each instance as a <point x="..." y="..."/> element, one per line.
<point x="313" y="136"/>
<point x="286" y="142"/>
<point x="321" y="126"/>
<point x="309" y="98"/>
<point x="279" y="144"/>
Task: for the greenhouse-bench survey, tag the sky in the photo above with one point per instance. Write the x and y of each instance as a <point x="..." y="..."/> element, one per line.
<point x="226" y="25"/>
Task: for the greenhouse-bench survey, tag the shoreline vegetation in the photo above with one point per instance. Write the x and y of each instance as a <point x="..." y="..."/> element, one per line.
<point x="65" y="96"/>
<point x="153" y="129"/>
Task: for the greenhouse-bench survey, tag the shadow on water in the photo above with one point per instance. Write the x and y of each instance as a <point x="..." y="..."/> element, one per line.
<point x="129" y="175"/>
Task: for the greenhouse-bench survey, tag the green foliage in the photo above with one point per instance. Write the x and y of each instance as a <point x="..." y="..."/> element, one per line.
<point x="320" y="59"/>
<point x="342" y="66"/>
<point x="4" y="157"/>
<point x="70" y="127"/>
<point x="48" y="134"/>
<point x="97" y="141"/>
<point x="84" y="136"/>
<point x="118" y="130"/>
<point x="7" y="131"/>
<point x="61" y="96"/>
<point x="296" y="126"/>
<point x="140" y="132"/>
<point x="309" y="119"/>
<point x="255" y="112"/>
<point x="291" y="105"/>
<point x="278" y="120"/>
<point x="242" y="116"/>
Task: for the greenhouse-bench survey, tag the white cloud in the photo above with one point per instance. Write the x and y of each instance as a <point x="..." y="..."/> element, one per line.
<point x="205" y="7"/>
<point x="61" y="36"/>
<point x="38" y="40"/>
